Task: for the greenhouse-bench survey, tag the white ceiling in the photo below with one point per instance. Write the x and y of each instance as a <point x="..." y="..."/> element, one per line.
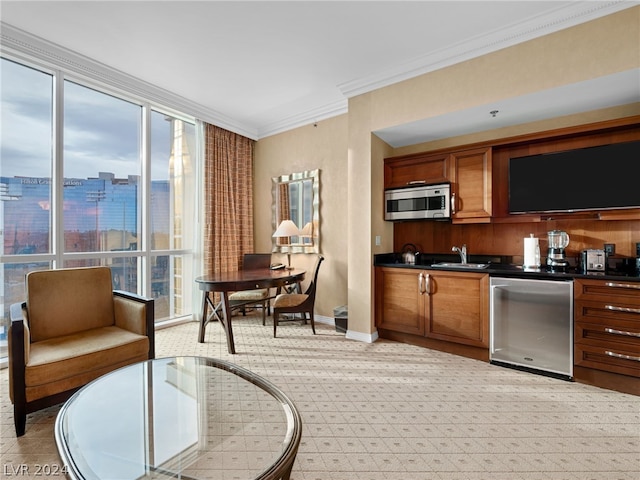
<point x="263" y="67"/>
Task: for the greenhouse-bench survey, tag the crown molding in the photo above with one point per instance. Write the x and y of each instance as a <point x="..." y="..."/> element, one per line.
<point x="23" y="46"/>
<point x="305" y="118"/>
<point x="559" y="19"/>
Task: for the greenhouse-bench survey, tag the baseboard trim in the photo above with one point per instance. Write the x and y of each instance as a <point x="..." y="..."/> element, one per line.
<point x="351" y="335"/>
<point x="362" y="337"/>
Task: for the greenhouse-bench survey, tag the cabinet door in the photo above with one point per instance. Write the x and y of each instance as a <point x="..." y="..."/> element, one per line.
<point x="471" y="186"/>
<point x="458" y="308"/>
<point x="416" y="170"/>
<point x="399" y="305"/>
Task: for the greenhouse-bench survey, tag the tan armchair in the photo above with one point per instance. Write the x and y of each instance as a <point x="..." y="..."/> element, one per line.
<point x="72" y="329"/>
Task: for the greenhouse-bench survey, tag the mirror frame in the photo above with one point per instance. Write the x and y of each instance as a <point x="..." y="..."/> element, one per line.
<point x="314" y="246"/>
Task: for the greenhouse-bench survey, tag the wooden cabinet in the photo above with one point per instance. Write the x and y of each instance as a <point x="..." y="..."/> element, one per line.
<point x="471" y="186"/>
<point x="416" y="170"/>
<point x="458" y="307"/>
<point x="447" y="306"/>
<point x="469" y="172"/>
<point x="607" y="326"/>
<point x="398" y="303"/>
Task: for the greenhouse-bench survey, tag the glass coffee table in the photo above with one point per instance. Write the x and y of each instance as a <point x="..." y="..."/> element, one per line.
<point x="181" y="417"/>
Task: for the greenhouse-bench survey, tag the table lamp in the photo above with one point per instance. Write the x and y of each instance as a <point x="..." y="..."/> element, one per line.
<point x="287" y="229"/>
<point x="307" y="232"/>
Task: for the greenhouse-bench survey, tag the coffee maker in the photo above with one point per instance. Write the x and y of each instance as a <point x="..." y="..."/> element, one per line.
<point x="558" y="241"/>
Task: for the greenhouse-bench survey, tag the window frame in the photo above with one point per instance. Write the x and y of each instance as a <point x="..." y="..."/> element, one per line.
<point x="56" y="257"/>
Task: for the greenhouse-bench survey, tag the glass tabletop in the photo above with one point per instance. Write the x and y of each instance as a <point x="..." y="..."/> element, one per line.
<point x="182" y="417"/>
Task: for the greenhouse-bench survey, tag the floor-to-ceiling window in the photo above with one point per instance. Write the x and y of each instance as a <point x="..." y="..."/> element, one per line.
<point x="88" y="177"/>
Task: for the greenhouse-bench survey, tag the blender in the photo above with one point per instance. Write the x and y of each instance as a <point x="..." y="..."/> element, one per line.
<point x="558" y="241"/>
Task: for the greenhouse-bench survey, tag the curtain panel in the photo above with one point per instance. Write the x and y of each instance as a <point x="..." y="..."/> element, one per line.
<point x="228" y="199"/>
<point x="284" y="212"/>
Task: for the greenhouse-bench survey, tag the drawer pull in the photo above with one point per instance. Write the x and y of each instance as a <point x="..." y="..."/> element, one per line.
<point x="635" y="286"/>
<point x="613" y="308"/>
<point x="624" y="357"/>
<point x="622" y="332"/>
<point x="417" y="182"/>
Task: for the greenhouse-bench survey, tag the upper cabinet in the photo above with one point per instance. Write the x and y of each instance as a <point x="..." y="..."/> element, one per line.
<point x="469" y="172"/>
<point x="471" y="187"/>
<point x="416" y="170"/>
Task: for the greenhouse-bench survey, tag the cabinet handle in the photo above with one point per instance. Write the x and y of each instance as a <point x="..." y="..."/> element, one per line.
<point x="624" y="357"/>
<point x="453" y="204"/>
<point x="622" y="332"/>
<point x="417" y="182"/>
<point x="428" y="283"/>
<point x="623" y="285"/>
<point x="421" y="283"/>
<point x="622" y="309"/>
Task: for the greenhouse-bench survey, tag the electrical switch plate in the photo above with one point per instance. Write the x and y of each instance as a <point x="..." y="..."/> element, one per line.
<point x="378" y="240"/>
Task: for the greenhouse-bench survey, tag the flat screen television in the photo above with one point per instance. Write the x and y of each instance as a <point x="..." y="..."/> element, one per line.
<point x="595" y="178"/>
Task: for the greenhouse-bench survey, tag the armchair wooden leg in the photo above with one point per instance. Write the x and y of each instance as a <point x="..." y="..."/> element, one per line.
<point x="275" y="323"/>
<point x="313" y="325"/>
<point x="19" y="419"/>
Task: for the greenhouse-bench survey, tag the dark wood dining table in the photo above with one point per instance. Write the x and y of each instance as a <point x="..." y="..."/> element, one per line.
<point x="228" y="282"/>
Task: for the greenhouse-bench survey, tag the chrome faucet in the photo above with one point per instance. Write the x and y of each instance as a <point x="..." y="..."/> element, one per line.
<point x="462" y="252"/>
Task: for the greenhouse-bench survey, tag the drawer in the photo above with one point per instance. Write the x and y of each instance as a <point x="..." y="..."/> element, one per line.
<point x="609" y="292"/>
<point x="612" y="313"/>
<point x="607" y="336"/>
<point x="616" y="360"/>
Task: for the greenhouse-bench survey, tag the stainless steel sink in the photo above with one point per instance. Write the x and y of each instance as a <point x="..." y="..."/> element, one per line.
<point x="471" y="266"/>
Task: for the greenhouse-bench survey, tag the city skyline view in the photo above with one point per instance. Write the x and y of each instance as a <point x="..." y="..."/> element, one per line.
<point x="93" y="204"/>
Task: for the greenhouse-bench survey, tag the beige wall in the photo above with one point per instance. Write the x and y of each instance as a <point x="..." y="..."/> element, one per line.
<point x="601" y="47"/>
<point x="322" y="147"/>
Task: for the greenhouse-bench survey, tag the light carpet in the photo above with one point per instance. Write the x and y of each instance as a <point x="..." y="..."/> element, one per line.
<point x="393" y="411"/>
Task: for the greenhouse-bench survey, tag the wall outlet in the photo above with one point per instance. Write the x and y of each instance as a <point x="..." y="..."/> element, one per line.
<point x="610" y="248"/>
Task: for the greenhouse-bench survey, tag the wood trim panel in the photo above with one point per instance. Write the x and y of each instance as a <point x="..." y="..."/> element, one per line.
<point x="611" y="381"/>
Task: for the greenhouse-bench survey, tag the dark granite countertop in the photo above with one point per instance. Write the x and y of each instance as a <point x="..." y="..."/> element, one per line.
<point x="499" y="265"/>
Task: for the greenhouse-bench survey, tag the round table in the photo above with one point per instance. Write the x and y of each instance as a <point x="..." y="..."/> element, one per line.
<point x="182" y="417"/>
<point x="235" y="281"/>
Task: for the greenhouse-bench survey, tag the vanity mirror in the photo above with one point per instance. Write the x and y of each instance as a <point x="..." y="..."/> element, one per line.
<point x="296" y="197"/>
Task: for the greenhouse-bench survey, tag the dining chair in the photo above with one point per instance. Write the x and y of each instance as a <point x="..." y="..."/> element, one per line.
<point x="258" y="297"/>
<point x="297" y="303"/>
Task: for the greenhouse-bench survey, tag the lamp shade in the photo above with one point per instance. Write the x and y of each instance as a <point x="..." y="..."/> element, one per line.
<point x="287" y="229"/>
<point x="307" y="230"/>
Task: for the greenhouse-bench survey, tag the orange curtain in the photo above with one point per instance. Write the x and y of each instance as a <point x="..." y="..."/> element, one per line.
<point x="228" y="197"/>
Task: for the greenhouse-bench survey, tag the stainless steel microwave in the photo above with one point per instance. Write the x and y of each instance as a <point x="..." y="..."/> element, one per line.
<point x="414" y="203"/>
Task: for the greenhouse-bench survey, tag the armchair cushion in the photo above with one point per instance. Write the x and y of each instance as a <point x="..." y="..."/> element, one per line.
<point x="63" y="363"/>
<point x="250" y="295"/>
<point x="67" y="301"/>
<point x="285" y="300"/>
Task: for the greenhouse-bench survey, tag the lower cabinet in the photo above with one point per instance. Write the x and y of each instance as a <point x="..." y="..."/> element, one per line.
<point x="447" y="306"/>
